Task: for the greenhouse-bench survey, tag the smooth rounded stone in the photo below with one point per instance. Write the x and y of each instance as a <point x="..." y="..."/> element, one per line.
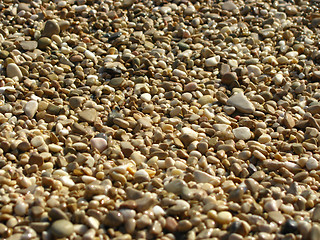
<point x="24" y="146"/>
<point x="29" y="45"/>
<point x="192" y="86"/>
<point x="252" y="185"/>
<point x="88" y="115"/>
<point x="117" y="82"/>
<point x="206" y="99"/>
<point x="99" y="143"/>
<point x="113" y="219"/>
<point x="146" y="97"/>
<point x="175" y="186"/>
<point x="44" y="42"/>
<point x="14" y="71"/>
<point x="179" y="73"/>
<point x="224" y="217"/>
<point x="171" y="224"/>
<point x="141" y="176"/>
<point x="184" y="225"/>
<point x="312" y="164"/>
<point x="257" y="154"/>
<point x="145" y="203"/>
<point x="138" y="158"/>
<point x="187" y="136"/>
<point x="229" y="78"/>
<point x="229" y="6"/>
<point x="61" y="228"/>
<point x="126" y="4"/>
<point x="315" y="216"/>
<point x="21" y="208"/>
<point x="203" y="177"/>
<point x="143" y="222"/>
<point x="242" y="133"/>
<point x="229" y="110"/>
<point x="186" y="97"/>
<point x="57" y="214"/>
<point x="264" y="138"/>
<point x="177" y="210"/>
<point x="37" y="141"/>
<point x="254" y="70"/>
<point x="276" y="216"/>
<point x="290" y="226"/>
<point x="241" y="103"/>
<point x="212" y="61"/>
<point x="51" y="27"/>
<point x="31" y="108"/>
<point x="4" y="54"/>
<point x="270" y="205"/>
<point x="314" y="233"/>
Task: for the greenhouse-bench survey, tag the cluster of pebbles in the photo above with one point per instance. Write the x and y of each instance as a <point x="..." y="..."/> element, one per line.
<point x="159" y="119"/>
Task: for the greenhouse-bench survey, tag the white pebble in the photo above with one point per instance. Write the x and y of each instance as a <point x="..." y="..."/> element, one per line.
<point x="212" y="61"/>
<point x="146" y="97"/>
<point x="89" y="55"/>
<point x="67" y="181"/>
<point x="312" y="164"/>
<point x="21" y="208"/>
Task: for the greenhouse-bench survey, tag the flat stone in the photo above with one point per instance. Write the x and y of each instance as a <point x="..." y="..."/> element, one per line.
<point x="88" y="115"/>
<point x="14" y="71"/>
<point x="202" y="177"/>
<point x="241" y="103"/>
<point x="242" y="133"/>
<point x="61" y="228"/>
<point x="51" y="27"/>
<point x="116" y="82"/>
<point x="276" y="216"/>
<point x="29" y="45"/>
<point x="76" y="101"/>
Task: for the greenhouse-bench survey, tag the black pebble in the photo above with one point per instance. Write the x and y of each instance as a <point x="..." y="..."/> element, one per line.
<point x="290" y="226"/>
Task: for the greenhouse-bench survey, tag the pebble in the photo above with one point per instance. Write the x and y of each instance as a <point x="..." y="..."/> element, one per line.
<point x="51" y="27"/>
<point x="29" y="45"/>
<point x="99" y="143"/>
<point x="61" y="228"/>
<point x="188" y="135"/>
<point x="241" y="103"/>
<point x="88" y="115"/>
<point x="242" y="133"/>
<point x="21" y="208"/>
<point x="229" y="78"/>
<point x="14" y="71"/>
<point x="31" y="108"/>
<point x="224" y="217"/>
<point x="159" y="120"/>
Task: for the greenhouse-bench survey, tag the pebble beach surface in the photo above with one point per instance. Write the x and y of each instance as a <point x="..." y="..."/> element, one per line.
<point x="159" y="120"/>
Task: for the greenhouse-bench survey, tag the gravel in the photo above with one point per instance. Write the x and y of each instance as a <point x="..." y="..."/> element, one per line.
<point x="159" y="120"/>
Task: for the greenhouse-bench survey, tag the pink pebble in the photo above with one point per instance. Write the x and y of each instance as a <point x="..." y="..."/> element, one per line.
<point x="99" y="143"/>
